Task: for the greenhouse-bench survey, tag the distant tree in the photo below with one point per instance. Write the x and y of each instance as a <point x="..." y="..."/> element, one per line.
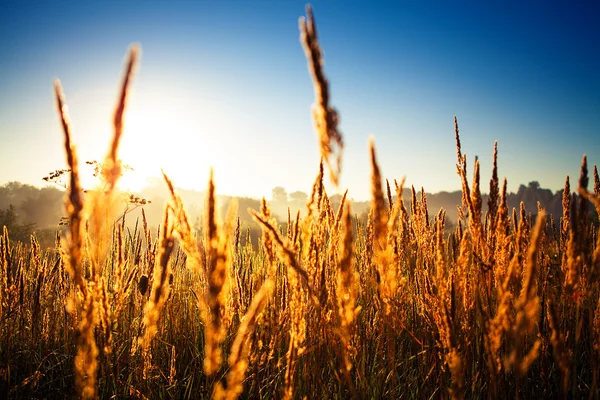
<point x="44" y="208"/>
<point x="14" y="193"/>
<point x="279" y="195"/>
<point x="279" y="202"/>
<point x="530" y="195"/>
<point x="244" y="203"/>
<point x="335" y="201"/>
<point x="16" y="231"/>
<point x="8" y="217"/>
<point x="336" y="198"/>
<point x="298" y="197"/>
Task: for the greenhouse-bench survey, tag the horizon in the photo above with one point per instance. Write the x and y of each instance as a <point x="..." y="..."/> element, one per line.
<point x="225" y="85"/>
<point x="159" y="186"/>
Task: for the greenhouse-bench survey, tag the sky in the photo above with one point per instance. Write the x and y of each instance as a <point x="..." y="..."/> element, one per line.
<point x="225" y="85"/>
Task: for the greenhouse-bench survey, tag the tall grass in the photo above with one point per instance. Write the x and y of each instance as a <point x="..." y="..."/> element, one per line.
<point x="391" y="306"/>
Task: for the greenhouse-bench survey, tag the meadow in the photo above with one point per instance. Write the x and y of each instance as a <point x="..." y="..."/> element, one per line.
<point x="506" y="305"/>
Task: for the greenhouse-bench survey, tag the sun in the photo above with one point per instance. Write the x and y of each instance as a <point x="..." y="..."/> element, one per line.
<point x="140" y="152"/>
<point x="133" y="180"/>
<point x="160" y="138"/>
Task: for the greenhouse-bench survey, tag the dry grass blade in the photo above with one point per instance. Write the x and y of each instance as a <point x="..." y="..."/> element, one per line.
<point x="214" y="330"/>
<point x="87" y="352"/>
<point x="86" y="360"/>
<point x="583" y="204"/>
<point x="461" y="169"/>
<point x="380" y="214"/>
<point x="219" y="266"/>
<point x="596" y="181"/>
<point x="238" y="356"/>
<point x="347" y="287"/>
<point x="183" y="229"/>
<point x="113" y="167"/>
<point x="561" y="353"/>
<point x="325" y="117"/>
<point x="286" y="250"/>
<point x="74" y="203"/>
<point x="529" y="274"/>
<point x="384" y="235"/>
<point x="494" y="189"/>
<point x="160" y="287"/>
<point x="340" y="212"/>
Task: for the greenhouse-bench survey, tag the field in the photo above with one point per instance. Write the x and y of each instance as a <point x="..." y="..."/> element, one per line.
<point x="507" y="305"/>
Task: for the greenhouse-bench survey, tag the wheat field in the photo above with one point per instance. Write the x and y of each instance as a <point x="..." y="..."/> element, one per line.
<point x="506" y="305"/>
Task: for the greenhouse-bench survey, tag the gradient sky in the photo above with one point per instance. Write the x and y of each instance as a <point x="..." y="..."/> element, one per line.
<point x="225" y="84"/>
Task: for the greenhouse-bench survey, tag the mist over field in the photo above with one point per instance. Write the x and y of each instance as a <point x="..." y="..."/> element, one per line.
<point x="25" y="209"/>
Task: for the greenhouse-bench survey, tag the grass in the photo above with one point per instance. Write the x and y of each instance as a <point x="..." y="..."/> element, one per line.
<point x="333" y="307"/>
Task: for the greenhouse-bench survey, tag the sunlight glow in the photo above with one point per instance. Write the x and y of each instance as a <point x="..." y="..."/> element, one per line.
<point x="153" y="140"/>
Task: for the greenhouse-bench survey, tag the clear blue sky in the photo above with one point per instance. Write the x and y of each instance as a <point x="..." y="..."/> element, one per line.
<point x="225" y="84"/>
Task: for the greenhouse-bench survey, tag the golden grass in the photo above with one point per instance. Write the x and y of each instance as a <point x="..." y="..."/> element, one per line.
<point x="389" y="305"/>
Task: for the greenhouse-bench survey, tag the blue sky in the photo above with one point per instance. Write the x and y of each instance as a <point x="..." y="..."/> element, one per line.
<point x="225" y="84"/>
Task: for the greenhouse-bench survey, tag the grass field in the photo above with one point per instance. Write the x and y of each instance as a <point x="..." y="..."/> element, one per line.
<point x="505" y="306"/>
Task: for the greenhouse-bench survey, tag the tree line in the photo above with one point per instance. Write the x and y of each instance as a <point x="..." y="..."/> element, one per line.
<point x="25" y="209"/>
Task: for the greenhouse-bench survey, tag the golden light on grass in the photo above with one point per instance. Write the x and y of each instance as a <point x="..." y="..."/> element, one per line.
<point x="397" y="303"/>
